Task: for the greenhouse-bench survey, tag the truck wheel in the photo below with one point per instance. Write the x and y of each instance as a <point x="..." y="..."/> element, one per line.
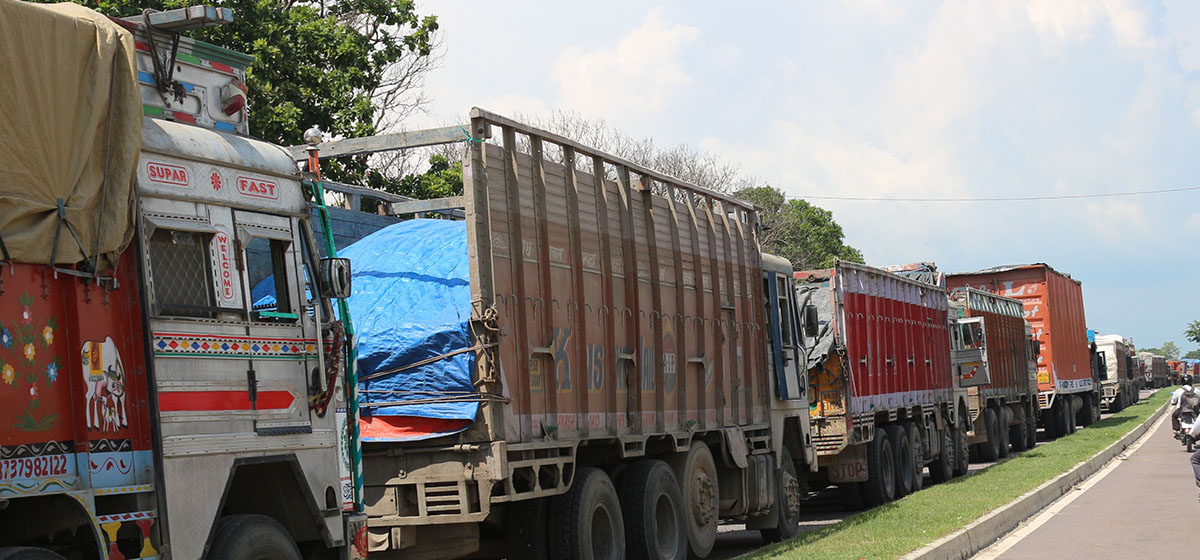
<point x="1068" y="416"/>
<point x="902" y="457"/>
<point x="528" y="523"/>
<point x="962" y="462"/>
<point x="787" y="500"/>
<point x="1030" y="432"/>
<point x="252" y="537"/>
<point x="697" y="475"/>
<point x="652" y="506"/>
<point x="881" y="470"/>
<point x="1002" y="445"/>
<point x="585" y="522"/>
<point x="989" y="450"/>
<point x="942" y="467"/>
<point x="1118" y="403"/>
<point x="914" y="437"/>
<point x="28" y="553"/>
<point x="1016" y="434"/>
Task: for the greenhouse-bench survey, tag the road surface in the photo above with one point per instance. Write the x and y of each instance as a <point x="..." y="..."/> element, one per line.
<point x="824" y="509"/>
<point x="1142" y="506"/>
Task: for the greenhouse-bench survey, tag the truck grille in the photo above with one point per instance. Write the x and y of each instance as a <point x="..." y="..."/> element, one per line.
<point x="829" y="444"/>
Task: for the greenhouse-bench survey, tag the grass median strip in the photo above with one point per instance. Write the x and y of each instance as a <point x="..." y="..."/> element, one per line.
<point x="895" y="529"/>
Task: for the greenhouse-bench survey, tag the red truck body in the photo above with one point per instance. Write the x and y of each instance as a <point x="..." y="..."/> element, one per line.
<point x="1054" y="307"/>
<point x="1004" y="326"/>
<point x="896" y="340"/>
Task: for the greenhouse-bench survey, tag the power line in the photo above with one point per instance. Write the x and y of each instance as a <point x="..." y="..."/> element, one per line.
<point x="995" y="198"/>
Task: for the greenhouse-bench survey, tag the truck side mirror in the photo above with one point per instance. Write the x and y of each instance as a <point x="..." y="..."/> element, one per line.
<point x="812" y="323"/>
<point x="334" y="274"/>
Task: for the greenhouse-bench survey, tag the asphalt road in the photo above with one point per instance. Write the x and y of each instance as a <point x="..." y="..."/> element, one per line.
<point x="1143" y="507"/>
<point x="824" y="509"/>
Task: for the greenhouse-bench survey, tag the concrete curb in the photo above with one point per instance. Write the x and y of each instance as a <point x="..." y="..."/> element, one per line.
<point x="986" y="530"/>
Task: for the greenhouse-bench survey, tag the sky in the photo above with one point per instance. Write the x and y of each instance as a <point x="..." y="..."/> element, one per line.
<point x="873" y="98"/>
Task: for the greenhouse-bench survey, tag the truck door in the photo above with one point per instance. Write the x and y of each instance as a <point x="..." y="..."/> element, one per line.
<point x="970" y="352"/>
<point x="790" y="363"/>
<point x="282" y="336"/>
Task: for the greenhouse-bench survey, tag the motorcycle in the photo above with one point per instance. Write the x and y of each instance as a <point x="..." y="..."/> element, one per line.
<point x="1187" y="419"/>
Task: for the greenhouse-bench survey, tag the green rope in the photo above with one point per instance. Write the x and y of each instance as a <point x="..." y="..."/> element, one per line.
<point x="469" y="138"/>
<point x="352" y="405"/>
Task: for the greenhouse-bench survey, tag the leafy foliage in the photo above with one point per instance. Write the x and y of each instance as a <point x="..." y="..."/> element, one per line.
<point x="1192" y="355"/>
<point x="1169" y="350"/>
<point x="802" y="233"/>
<point x="444" y="178"/>
<point x="1193" y="332"/>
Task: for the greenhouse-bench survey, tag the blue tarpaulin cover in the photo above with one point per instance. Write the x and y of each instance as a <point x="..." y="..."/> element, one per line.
<point x="411" y="301"/>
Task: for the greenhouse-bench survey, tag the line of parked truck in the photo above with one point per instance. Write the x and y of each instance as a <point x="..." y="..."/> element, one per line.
<point x="617" y="367"/>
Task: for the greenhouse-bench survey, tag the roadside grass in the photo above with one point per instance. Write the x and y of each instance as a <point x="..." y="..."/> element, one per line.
<point x="895" y="529"/>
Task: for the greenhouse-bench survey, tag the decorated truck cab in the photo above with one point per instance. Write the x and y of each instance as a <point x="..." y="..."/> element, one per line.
<point x="151" y="406"/>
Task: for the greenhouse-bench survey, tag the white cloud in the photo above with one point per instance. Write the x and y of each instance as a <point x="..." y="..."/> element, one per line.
<point x="639" y="74"/>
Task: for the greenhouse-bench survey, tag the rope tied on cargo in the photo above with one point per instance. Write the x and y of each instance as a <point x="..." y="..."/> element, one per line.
<point x="438" y="397"/>
<point x="427" y="361"/>
<point x="469" y="138"/>
<point x="164" y="80"/>
<point x="62" y="219"/>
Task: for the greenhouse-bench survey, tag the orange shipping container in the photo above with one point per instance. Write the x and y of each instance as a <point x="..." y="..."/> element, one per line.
<point x="1053" y="304"/>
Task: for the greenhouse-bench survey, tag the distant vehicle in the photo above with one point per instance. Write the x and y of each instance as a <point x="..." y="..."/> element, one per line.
<point x="1068" y="391"/>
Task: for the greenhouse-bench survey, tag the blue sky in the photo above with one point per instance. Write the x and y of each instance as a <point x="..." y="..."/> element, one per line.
<point x="897" y="99"/>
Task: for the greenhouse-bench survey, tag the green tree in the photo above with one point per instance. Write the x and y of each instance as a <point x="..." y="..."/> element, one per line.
<point x="1193" y="332"/>
<point x="329" y="63"/>
<point x="1192" y="355"/>
<point x="802" y="233"/>
<point x="1170" y="350"/>
<point x="444" y="178"/>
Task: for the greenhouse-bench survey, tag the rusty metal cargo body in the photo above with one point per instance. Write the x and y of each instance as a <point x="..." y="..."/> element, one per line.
<point x="1005" y="333"/>
<point x="894" y="332"/>
<point x="1054" y="307"/>
<point x="626" y="307"/>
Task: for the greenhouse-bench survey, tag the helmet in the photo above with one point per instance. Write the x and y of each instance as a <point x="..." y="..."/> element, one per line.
<point x="1186" y="379"/>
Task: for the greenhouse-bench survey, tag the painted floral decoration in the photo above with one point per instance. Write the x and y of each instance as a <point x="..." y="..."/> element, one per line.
<point x="24" y="368"/>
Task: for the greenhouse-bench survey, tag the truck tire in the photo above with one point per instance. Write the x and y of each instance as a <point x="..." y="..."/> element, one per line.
<point x="989" y="450"/>
<point x="585" y="522"/>
<point x="962" y="461"/>
<point x="1071" y="417"/>
<point x="697" y="475"/>
<point x="252" y="537"/>
<point x="902" y="458"/>
<point x="914" y="437"/>
<point x="787" y="499"/>
<point x="942" y="467"/>
<point x="652" y="506"/>
<point x="28" y="553"/>
<point x="881" y="470"/>
<point x="1118" y="403"/>
<point x="1030" y="432"/>
<point x="1003" y="445"/>
<point x="1016" y="434"/>
<point x="528" y="523"/>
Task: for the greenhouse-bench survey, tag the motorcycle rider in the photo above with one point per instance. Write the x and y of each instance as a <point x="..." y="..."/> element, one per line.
<point x="1177" y="400"/>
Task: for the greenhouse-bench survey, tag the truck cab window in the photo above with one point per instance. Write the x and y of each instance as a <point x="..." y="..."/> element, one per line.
<point x="266" y="269"/>
<point x="182" y="275"/>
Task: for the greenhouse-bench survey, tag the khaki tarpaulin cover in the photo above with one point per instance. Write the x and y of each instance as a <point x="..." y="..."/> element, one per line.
<point x="70" y="129"/>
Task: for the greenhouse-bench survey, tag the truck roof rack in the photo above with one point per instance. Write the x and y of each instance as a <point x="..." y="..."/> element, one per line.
<point x="186" y="19"/>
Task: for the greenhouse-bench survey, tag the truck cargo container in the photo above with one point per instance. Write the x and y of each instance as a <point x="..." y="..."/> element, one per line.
<point x="148" y="409"/>
<point x="882" y="389"/>
<point x="1068" y="392"/>
<point x="1117" y="378"/>
<point x="992" y="351"/>
<point x="636" y="367"/>
<point x="1157" y="373"/>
